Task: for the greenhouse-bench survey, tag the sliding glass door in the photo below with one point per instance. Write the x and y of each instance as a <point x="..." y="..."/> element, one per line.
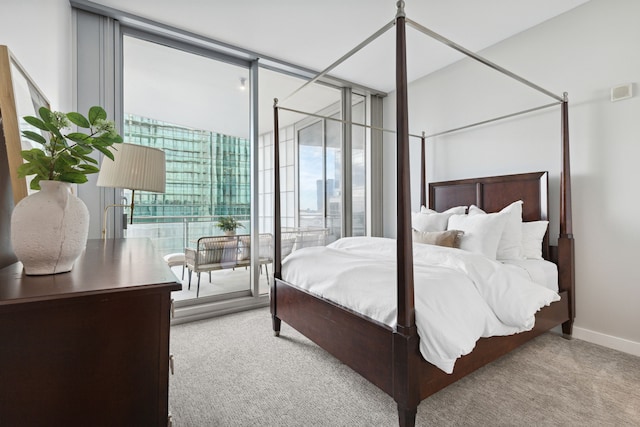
<point x="196" y="109"/>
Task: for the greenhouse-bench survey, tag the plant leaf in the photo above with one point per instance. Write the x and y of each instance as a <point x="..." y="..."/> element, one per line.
<point x="87" y="159"/>
<point x="45" y="113"/>
<point x="81" y="150"/>
<point x="35" y="183"/>
<point x="78" y="137"/>
<point x="95" y="113"/>
<point x="89" y="168"/>
<point x="66" y="160"/>
<point x="111" y="139"/>
<point x="32" y="155"/>
<point x="34" y="121"/>
<point x="73" y="176"/>
<point x="105" y="151"/>
<point x="34" y="136"/>
<point x="54" y="130"/>
<point x="27" y="169"/>
<point x="79" y="120"/>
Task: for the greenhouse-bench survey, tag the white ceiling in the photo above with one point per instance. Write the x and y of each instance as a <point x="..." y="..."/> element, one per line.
<point x="314" y="34"/>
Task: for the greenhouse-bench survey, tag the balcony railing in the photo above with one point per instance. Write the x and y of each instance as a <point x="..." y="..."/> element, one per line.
<point x="171" y="234"/>
<point x="174" y="234"/>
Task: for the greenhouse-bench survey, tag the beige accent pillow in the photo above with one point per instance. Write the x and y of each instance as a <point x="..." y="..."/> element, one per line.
<point x="450" y="238"/>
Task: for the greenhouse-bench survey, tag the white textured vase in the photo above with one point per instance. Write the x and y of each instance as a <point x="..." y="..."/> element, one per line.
<point x="49" y="229"/>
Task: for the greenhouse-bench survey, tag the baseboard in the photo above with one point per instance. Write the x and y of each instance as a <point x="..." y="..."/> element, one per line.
<point x="191" y="313"/>
<point x="605" y="340"/>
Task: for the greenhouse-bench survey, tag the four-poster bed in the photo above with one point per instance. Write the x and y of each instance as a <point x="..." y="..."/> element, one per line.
<point x="389" y="356"/>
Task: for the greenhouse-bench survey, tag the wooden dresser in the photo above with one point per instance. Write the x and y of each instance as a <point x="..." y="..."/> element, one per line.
<point x="89" y="347"/>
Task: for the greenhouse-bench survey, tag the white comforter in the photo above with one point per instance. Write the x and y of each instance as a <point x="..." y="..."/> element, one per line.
<point x="459" y="296"/>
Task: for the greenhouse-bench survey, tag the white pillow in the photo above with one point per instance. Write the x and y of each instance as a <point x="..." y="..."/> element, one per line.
<point x="430" y="220"/>
<point x="532" y="235"/>
<point x="510" y="245"/>
<point x="481" y="232"/>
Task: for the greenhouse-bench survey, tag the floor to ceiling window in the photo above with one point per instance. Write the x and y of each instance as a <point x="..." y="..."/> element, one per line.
<point x="321" y="171"/>
<point x="320" y="176"/>
<point x="303" y="177"/>
<point x="359" y="167"/>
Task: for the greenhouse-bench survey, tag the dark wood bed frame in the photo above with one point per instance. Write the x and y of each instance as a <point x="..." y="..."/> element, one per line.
<point x="398" y="368"/>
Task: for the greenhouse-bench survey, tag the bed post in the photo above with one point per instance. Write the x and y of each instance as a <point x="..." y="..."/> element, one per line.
<point x="277" y="261"/>
<point x="423" y="170"/>
<point x="566" y="268"/>
<point x="405" y="337"/>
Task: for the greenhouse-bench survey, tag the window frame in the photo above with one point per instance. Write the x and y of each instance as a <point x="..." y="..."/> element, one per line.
<point x="99" y="31"/>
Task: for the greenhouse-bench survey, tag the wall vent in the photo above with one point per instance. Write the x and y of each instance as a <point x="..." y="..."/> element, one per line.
<point x="621" y="92"/>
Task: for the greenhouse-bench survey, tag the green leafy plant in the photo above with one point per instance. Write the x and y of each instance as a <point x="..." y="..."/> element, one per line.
<point x="228" y="223"/>
<point x="65" y="156"/>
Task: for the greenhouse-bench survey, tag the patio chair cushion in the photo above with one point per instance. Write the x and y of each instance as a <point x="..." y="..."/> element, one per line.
<point x="174" y="259"/>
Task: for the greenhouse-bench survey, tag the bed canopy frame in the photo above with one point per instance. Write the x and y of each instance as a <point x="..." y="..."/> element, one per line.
<point x="411" y="379"/>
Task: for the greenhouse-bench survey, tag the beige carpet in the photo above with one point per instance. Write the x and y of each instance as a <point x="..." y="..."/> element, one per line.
<point x="232" y="371"/>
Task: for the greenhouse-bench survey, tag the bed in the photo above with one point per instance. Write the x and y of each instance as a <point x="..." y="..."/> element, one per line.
<point x="399" y="368"/>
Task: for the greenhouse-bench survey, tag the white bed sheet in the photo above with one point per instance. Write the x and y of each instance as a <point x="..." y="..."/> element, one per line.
<point x="459" y="296"/>
<point x="542" y="272"/>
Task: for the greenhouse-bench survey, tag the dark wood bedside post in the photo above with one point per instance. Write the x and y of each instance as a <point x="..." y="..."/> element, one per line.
<point x="88" y="347"/>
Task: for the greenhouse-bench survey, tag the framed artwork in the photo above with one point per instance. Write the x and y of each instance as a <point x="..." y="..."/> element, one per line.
<point x="19" y="97"/>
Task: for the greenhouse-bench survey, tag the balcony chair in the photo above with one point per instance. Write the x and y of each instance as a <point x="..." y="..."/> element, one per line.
<point x="222" y="252"/>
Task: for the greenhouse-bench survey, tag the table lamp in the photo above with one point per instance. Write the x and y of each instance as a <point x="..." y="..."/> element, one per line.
<point x="134" y="167"/>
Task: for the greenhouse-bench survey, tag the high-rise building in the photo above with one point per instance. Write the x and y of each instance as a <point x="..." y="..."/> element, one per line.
<point x="208" y="174"/>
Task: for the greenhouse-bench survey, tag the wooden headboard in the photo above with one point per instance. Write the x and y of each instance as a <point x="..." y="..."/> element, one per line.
<point x="493" y="193"/>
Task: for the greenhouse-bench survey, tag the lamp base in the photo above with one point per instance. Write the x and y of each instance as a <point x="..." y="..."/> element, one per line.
<point x="106" y="213"/>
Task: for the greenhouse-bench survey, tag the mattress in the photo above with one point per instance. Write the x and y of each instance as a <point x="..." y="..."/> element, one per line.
<point x="459" y="296"/>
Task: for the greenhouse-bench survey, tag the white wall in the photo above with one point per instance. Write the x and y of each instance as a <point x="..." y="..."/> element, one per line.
<point x="583" y="52"/>
<point x="39" y="34"/>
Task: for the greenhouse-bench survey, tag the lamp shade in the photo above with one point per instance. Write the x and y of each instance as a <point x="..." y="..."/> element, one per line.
<point x="135" y="167"/>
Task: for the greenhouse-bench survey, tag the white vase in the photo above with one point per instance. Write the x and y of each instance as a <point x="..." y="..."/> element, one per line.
<point x="49" y="229"/>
